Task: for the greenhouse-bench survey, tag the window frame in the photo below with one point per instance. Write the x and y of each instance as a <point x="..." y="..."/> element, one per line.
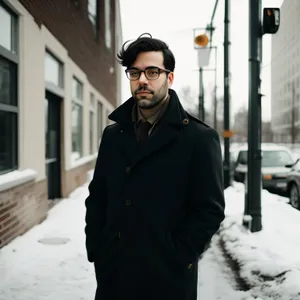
<point x="12" y="54"/>
<point x="78" y="102"/>
<point x="92" y="113"/>
<point x="100" y="126"/>
<point x="60" y="85"/>
<point x="11" y="57"/>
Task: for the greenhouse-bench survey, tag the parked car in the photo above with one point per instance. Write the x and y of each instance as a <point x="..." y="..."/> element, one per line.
<point x="293" y="184"/>
<point x="233" y="159"/>
<point x="276" y="164"/>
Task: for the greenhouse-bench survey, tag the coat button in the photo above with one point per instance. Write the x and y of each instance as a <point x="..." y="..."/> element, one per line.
<point x="127" y="170"/>
<point x="185" y="121"/>
<point x="190" y="266"/>
<point x="128" y="202"/>
<point x="118" y="235"/>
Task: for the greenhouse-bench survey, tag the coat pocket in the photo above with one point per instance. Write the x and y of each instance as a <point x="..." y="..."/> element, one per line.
<point x="179" y="253"/>
<point x="107" y="253"/>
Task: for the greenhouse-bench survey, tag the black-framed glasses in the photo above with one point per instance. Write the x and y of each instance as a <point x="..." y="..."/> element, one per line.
<point x="151" y="73"/>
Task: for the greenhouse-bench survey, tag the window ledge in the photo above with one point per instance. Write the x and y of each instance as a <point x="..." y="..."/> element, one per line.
<point x="16" y="178"/>
<point x="83" y="160"/>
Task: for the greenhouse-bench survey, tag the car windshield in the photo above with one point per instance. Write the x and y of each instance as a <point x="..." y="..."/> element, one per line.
<point x="276" y="159"/>
<point x="242" y="157"/>
<point x="271" y="158"/>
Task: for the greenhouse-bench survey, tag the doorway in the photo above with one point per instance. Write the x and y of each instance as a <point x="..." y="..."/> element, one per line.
<point x="52" y="147"/>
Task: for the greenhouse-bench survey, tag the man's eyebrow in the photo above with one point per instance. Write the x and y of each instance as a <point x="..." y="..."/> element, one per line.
<point x="145" y="68"/>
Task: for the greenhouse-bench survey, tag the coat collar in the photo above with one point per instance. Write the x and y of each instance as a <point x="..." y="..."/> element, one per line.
<point x="174" y="115"/>
<point x="171" y="123"/>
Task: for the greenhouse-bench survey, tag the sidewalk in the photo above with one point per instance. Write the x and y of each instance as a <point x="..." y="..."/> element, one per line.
<point x="30" y="270"/>
<point x="268" y="261"/>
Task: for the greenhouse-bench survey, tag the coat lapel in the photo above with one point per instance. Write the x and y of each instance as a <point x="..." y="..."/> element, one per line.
<point x="128" y="144"/>
<point x="169" y="128"/>
<point x="125" y="140"/>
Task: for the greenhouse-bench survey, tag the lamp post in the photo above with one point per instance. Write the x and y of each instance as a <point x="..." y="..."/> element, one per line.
<point x="200" y="43"/>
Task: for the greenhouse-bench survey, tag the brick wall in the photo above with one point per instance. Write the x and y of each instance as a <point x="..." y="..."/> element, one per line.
<point x="70" y="24"/>
<point x="26" y="205"/>
<point x="21" y="208"/>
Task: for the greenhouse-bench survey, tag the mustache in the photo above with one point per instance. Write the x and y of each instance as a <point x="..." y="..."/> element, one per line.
<point x="142" y="89"/>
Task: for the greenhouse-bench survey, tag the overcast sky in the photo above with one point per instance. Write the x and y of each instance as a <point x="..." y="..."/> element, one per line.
<point x="174" y="22"/>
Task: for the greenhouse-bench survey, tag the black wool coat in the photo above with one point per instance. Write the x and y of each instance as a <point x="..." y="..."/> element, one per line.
<point x="152" y="209"/>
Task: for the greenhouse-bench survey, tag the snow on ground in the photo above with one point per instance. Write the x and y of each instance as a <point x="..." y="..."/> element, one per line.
<point x="269" y="260"/>
<point x="216" y="280"/>
<point x="31" y="270"/>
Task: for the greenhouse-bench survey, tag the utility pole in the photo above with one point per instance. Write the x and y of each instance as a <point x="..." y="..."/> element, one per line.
<point x="227" y="179"/>
<point x="201" y="110"/>
<point x="253" y="186"/>
<point x="215" y="91"/>
<point x="254" y="176"/>
<point x="216" y="49"/>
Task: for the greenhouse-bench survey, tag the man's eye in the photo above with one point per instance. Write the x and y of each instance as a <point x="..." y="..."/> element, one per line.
<point x="152" y="72"/>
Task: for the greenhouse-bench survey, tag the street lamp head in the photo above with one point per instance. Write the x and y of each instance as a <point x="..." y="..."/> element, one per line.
<point x="201" y="40"/>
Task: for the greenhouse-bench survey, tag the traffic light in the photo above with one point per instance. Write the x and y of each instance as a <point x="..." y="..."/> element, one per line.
<point x="271" y="20"/>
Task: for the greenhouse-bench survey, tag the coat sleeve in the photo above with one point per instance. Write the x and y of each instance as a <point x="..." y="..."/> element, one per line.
<point x="206" y="196"/>
<point x="96" y="202"/>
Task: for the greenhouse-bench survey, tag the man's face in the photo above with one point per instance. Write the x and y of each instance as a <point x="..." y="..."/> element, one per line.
<point x="149" y="93"/>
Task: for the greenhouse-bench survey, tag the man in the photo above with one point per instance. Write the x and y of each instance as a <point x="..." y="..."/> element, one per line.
<point x="156" y="197"/>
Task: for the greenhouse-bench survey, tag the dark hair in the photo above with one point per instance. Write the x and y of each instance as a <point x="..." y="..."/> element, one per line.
<point x="128" y="55"/>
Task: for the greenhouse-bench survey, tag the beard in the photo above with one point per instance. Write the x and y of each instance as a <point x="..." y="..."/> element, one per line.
<point x="151" y="100"/>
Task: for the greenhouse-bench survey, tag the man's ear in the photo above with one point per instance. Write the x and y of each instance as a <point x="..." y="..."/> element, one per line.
<point x="170" y="79"/>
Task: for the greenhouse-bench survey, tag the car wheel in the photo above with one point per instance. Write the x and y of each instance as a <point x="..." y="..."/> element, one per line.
<point x="294" y="196"/>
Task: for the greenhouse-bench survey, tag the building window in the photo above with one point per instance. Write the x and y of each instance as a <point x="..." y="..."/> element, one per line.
<point x="8" y="32"/>
<point x="92" y="122"/>
<point x="77" y="119"/>
<point x="92" y="12"/>
<point x="99" y="121"/>
<point x="107" y="24"/>
<point x="8" y="91"/>
<point x="53" y="70"/>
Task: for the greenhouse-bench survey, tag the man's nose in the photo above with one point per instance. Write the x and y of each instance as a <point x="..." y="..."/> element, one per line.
<point x="143" y="79"/>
